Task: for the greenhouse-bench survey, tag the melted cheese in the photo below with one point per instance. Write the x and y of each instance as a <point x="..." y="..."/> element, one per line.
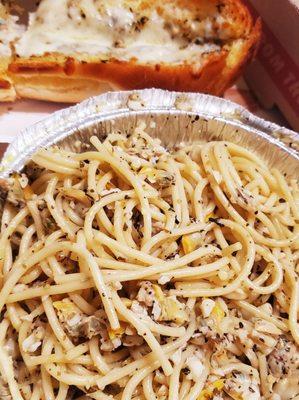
<point x="107" y="30"/>
<point x="9" y="31"/>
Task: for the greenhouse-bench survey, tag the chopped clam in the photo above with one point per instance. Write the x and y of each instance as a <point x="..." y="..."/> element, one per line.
<point x="191" y="242"/>
<point x="33" y="341"/>
<point x="171" y="308"/>
<point x="207" y="307"/>
<point x="242" y="387"/>
<point x="218" y="312"/>
<point x="211" y="390"/>
<point x="116" y="333"/>
<point x="195" y="366"/>
<point x="160" y="177"/>
<point x="66" y="307"/>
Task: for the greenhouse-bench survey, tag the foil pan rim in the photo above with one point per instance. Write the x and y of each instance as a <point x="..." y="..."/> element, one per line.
<point x="136" y="102"/>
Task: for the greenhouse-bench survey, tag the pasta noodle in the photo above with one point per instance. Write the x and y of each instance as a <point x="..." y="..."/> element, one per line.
<point x="136" y="272"/>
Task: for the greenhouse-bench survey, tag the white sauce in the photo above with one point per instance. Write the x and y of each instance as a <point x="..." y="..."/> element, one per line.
<point x="196" y="367"/>
<point x="56" y="32"/>
<point x="90" y="28"/>
<point x="9" y="31"/>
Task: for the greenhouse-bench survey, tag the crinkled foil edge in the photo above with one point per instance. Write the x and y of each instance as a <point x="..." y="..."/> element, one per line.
<point x="107" y="106"/>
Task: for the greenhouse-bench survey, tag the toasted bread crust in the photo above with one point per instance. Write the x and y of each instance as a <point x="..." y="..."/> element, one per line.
<point x="7" y="90"/>
<point x="4" y="84"/>
<point x="56" y="77"/>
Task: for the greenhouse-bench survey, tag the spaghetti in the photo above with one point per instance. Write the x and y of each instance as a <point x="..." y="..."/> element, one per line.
<point x="134" y="272"/>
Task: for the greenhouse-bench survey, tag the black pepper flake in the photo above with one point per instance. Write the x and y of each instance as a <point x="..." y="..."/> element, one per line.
<point x="169" y="286"/>
<point x="143" y="20"/>
<point x="179" y="240"/>
<point x="186" y="371"/>
<point x="216" y="221"/>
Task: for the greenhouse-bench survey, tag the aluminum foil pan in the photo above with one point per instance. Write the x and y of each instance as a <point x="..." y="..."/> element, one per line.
<point x="173" y="117"/>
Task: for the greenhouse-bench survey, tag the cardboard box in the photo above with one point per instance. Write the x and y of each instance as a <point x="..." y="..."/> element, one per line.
<point x="274" y="75"/>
